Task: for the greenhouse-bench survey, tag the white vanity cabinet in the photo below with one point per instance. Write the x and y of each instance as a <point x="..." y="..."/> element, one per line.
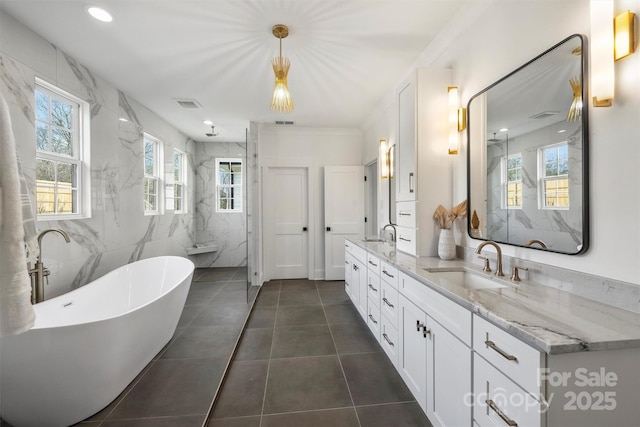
<point x="434" y="362"/>
<point x="423" y="159"/>
<point x="465" y="370"/>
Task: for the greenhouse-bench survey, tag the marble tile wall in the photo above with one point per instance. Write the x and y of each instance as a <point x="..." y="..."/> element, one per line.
<point x="561" y="230"/>
<point x="118" y="232"/>
<point x="227" y="230"/>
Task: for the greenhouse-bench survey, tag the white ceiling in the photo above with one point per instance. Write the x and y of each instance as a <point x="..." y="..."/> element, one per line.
<point x="345" y="55"/>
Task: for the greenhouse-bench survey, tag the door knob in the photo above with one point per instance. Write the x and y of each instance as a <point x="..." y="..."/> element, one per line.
<point x="304" y="228"/>
<point x="328" y="228"/>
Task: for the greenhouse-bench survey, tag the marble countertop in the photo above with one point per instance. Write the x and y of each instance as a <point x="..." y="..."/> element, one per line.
<point x="549" y="319"/>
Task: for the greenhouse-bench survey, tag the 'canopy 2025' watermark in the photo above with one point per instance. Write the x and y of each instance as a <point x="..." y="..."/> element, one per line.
<point x="588" y="391"/>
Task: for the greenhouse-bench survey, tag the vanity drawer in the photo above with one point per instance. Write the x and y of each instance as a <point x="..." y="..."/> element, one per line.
<point x="389" y="274"/>
<point x="359" y="253"/>
<point x="373" y="264"/>
<point x="514" y="358"/>
<point x="449" y="314"/>
<point x="499" y="402"/>
<point x="389" y="340"/>
<point x="374" y="289"/>
<point x="389" y="303"/>
<point x="406" y="214"/>
<point x="373" y="319"/>
<point x="406" y="240"/>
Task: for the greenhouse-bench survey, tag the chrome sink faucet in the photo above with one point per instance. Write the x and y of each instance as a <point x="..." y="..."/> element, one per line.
<point x="499" y="252"/>
<point x="393" y="236"/>
<point x="39" y="271"/>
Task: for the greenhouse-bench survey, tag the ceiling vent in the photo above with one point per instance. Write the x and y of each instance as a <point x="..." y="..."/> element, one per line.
<point x="544" y="115"/>
<point x="188" y="103"/>
<point x="284" y="122"/>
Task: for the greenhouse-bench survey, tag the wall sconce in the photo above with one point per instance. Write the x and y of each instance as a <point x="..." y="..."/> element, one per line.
<point x="384" y="159"/>
<point x="457" y="119"/>
<point x="624" y="34"/>
<point x="602" y="75"/>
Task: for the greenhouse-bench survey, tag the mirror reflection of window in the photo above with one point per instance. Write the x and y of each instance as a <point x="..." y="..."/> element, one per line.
<point x="512" y="181"/>
<point x="555" y="176"/>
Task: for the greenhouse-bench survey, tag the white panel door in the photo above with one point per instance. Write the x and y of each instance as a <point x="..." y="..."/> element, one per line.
<point x="288" y="215"/>
<point x="343" y="214"/>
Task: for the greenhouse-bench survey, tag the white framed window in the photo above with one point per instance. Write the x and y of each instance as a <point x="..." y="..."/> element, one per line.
<point x="229" y="185"/>
<point x="63" y="177"/>
<point x="153" y="150"/>
<point x="553" y="161"/>
<point x="512" y="181"/>
<point x="179" y="181"/>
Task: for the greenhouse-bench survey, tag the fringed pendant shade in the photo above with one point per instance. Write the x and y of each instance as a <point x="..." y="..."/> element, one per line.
<point x="575" y="111"/>
<point x="281" y="100"/>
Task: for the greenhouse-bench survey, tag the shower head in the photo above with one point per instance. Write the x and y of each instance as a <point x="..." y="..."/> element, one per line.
<point x="213" y="132"/>
<point x="494" y="139"/>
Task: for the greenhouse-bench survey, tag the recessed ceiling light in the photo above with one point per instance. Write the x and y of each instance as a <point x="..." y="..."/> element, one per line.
<point x="100" y="14"/>
<point x="208" y="122"/>
<point x="562" y="130"/>
<point x="122" y="119"/>
<point x="503" y="130"/>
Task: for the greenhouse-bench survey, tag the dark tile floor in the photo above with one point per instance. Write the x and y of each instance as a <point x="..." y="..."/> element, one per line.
<point x="178" y="387"/>
<point x="306" y="358"/>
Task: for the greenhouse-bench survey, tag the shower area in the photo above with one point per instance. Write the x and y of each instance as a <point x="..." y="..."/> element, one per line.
<point x="224" y="186"/>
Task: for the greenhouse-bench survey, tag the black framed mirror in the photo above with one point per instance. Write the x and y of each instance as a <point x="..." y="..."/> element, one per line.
<point x="527" y="157"/>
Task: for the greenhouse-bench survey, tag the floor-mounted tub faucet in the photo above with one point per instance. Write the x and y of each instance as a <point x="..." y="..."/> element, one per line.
<point x="39" y="272"/>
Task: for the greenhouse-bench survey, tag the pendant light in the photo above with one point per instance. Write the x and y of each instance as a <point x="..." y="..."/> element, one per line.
<point x="281" y="100"/>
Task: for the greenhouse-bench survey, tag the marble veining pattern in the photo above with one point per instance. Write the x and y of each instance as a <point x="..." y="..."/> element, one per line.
<point x="227" y="230"/>
<point x="117" y="232"/>
<point x="560" y="229"/>
<point x="548" y="318"/>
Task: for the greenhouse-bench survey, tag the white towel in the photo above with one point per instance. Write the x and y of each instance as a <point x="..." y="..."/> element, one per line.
<point x="28" y="218"/>
<point x="16" y="312"/>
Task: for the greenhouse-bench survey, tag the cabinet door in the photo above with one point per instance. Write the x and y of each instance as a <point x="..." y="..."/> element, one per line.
<point x="353" y="285"/>
<point x="412" y="358"/>
<point x="359" y="279"/>
<point x="406" y="146"/>
<point x="448" y="378"/>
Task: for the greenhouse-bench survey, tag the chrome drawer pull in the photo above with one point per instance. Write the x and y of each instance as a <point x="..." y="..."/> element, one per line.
<point x="372" y="263"/>
<point x="497" y="410"/>
<point x="401" y="213"/>
<point x="386" y="338"/>
<point x="387" y="273"/>
<point x="372" y="288"/>
<point x="372" y="319"/>
<point x="404" y="240"/>
<point x="501" y="352"/>
<point x="386" y="301"/>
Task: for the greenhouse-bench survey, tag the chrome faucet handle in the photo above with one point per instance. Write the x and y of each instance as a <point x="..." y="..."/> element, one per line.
<point x="487" y="265"/>
<point x="514" y="273"/>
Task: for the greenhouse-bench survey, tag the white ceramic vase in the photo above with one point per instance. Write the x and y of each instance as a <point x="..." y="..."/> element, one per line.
<point x="446" y="244"/>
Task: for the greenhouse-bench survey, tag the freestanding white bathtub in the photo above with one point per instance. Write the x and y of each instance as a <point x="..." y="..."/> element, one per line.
<point x="89" y="344"/>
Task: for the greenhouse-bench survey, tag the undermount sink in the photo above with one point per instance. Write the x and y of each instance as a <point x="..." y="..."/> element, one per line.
<point x="468" y="280"/>
<point x="373" y="239"/>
